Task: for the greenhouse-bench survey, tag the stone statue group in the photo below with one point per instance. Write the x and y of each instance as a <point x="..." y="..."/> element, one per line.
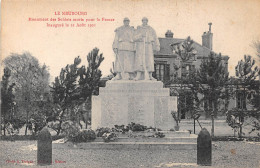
<point x="134" y="50"/>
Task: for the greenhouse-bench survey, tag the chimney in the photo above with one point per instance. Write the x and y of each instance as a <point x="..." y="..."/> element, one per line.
<point x="169" y="34"/>
<point x="207" y="38"/>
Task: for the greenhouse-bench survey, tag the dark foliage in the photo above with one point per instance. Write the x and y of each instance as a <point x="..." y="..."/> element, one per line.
<point x="248" y="87"/>
<point x="159" y="135"/>
<point x="31" y="84"/>
<point x="84" y="136"/>
<point x="101" y="131"/>
<point x="108" y="137"/>
<point x="7" y="100"/>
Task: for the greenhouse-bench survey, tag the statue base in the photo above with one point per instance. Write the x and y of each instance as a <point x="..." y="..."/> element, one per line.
<point x="142" y="102"/>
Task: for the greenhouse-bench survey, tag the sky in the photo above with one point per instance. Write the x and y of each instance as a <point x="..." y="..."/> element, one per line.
<point x="235" y="25"/>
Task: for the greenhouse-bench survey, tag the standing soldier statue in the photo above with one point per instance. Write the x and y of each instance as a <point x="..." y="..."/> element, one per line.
<point x="124" y="48"/>
<point x="146" y="44"/>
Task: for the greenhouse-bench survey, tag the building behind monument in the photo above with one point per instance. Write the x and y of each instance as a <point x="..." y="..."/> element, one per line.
<point x="169" y="67"/>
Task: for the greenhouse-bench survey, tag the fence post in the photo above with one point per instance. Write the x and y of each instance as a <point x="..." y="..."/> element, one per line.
<point x="204" y="148"/>
<point x="44" y="148"/>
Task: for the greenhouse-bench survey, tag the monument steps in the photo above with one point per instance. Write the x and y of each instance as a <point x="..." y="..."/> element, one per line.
<point x="176" y="133"/>
<point x="130" y="145"/>
<point x="203" y="122"/>
<point x="165" y="139"/>
<point x="177" y="142"/>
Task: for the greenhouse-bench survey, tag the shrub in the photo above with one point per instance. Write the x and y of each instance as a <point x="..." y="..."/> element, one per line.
<point x="17" y="123"/>
<point x="151" y="129"/>
<point x="71" y="130"/>
<point x="108" y="137"/>
<point x="121" y="128"/>
<point x="86" y="136"/>
<point x="133" y="127"/>
<point x="256" y="127"/>
<point x="36" y="123"/>
<point x="137" y="127"/>
<point x="73" y="133"/>
<point x="159" y="135"/>
<point x="53" y="125"/>
<point x="101" y="131"/>
<point x="10" y="129"/>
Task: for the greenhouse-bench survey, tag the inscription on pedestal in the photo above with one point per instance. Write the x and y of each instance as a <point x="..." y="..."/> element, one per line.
<point x="141" y="110"/>
<point x="163" y="118"/>
<point x="114" y="111"/>
<point x="136" y="110"/>
<point x="121" y="103"/>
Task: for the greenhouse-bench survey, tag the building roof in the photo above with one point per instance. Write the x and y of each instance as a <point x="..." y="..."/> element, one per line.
<point x="166" y="50"/>
<point x="165" y="47"/>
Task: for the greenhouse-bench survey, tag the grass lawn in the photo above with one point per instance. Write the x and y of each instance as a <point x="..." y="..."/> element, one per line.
<point x="225" y="154"/>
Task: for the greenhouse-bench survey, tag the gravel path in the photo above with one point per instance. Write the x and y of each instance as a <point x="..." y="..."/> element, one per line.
<point x="225" y="154"/>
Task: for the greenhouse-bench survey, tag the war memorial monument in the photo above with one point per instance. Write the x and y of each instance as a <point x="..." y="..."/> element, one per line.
<point x="133" y="95"/>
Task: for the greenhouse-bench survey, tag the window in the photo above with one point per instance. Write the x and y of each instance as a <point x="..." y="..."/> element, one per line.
<point x="240" y="101"/>
<point x="162" y="71"/>
<point x="187" y="69"/>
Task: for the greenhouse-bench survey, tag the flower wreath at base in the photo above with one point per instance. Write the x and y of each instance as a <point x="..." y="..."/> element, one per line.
<point x="109" y="136"/>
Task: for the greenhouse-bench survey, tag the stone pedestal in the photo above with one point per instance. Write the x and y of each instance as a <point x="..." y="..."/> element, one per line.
<point x="141" y="102"/>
